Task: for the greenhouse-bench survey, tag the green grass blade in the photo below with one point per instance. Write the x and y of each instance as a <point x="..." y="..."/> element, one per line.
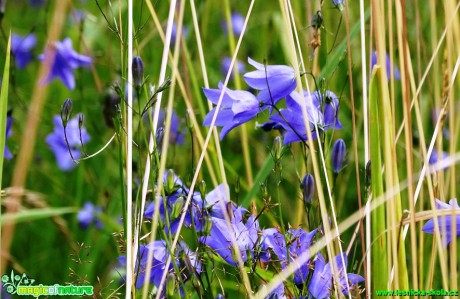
<point x="35" y="214"/>
<point x="3" y="106"/>
<point x="379" y="263"/>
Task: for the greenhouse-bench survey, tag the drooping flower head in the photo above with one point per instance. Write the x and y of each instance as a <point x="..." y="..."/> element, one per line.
<point x="56" y="141"/>
<point x="338" y="4"/>
<point x="322" y="111"/>
<point x="89" y="215"/>
<point x="220" y="237"/>
<point x="237" y="21"/>
<point x="174" y="33"/>
<point x="292" y="121"/>
<point x="237" y="108"/>
<point x="321" y="282"/>
<point x="396" y="73"/>
<point x="184" y="258"/>
<point x="437" y="157"/>
<point x="66" y="60"/>
<point x="9" y="122"/>
<point x="225" y="66"/>
<point x="298" y="240"/>
<point x="22" y="49"/>
<point x="274" y="81"/>
<point x="176" y="135"/>
<point x="445" y="222"/>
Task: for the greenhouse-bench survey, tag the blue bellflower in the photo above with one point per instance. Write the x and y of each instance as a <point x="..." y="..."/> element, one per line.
<point x="245" y="235"/>
<point x="321" y="282"/>
<point x="56" y="142"/>
<point x="184" y="259"/>
<point x="174" y="33"/>
<point x="174" y="189"/>
<point x="437" y="157"/>
<point x="277" y="293"/>
<point x="396" y="73"/>
<point x="237" y="21"/>
<point x="66" y="60"/>
<point x="300" y="241"/>
<point x="160" y="255"/>
<point x="322" y="110"/>
<point x="9" y="122"/>
<point x="22" y="48"/>
<point x="211" y="207"/>
<point x="237" y="108"/>
<point x="225" y="66"/>
<point x="274" y="81"/>
<point x="176" y="135"/>
<point x="89" y="215"/>
<point x="445" y="222"/>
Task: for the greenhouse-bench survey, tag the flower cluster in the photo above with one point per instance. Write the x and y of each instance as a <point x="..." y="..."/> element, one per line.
<point x="268" y="246"/>
<point x="274" y="83"/>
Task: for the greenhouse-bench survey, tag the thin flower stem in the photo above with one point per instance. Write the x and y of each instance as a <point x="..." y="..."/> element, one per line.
<point x="131" y="253"/>
<point x="68" y="145"/>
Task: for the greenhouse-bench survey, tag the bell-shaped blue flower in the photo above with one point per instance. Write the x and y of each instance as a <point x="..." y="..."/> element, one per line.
<point x="299" y="241"/>
<point x="220" y="238"/>
<point x="292" y="121"/>
<point x="89" y="215"/>
<point x="21" y="48"/>
<point x="66" y="60"/>
<point x="225" y="66"/>
<point x="445" y="222"/>
<point x="274" y="81"/>
<point x="237" y="108"/>
<point x="396" y="73"/>
<point x="321" y="282"/>
<point x="237" y="21"/>
<point x="322" y="110"/>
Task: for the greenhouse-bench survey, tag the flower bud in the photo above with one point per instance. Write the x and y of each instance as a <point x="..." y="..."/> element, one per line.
<point x="81" y="119"/>
<point x="202" y="188"/>
<point x="170" y="185"/>
<point x="165" y="85"/>
<point x="368" y="173"/>
<point x="317" y="20"/>
<point x="188" y="120"/>
<point x="264" y="190"/>
<point x="338" y="155"/>
<point x="220" y="296"/>
<point x="237" y="185"/>
<point x="338" y="4"/>
<point x="177" y="207"/>
<point x="170" y="285"/>
<point x="138" y="71"/>
<point x="308" y="188"/>
<point x="66" y="111"/>
<point x="277" y="149"/>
